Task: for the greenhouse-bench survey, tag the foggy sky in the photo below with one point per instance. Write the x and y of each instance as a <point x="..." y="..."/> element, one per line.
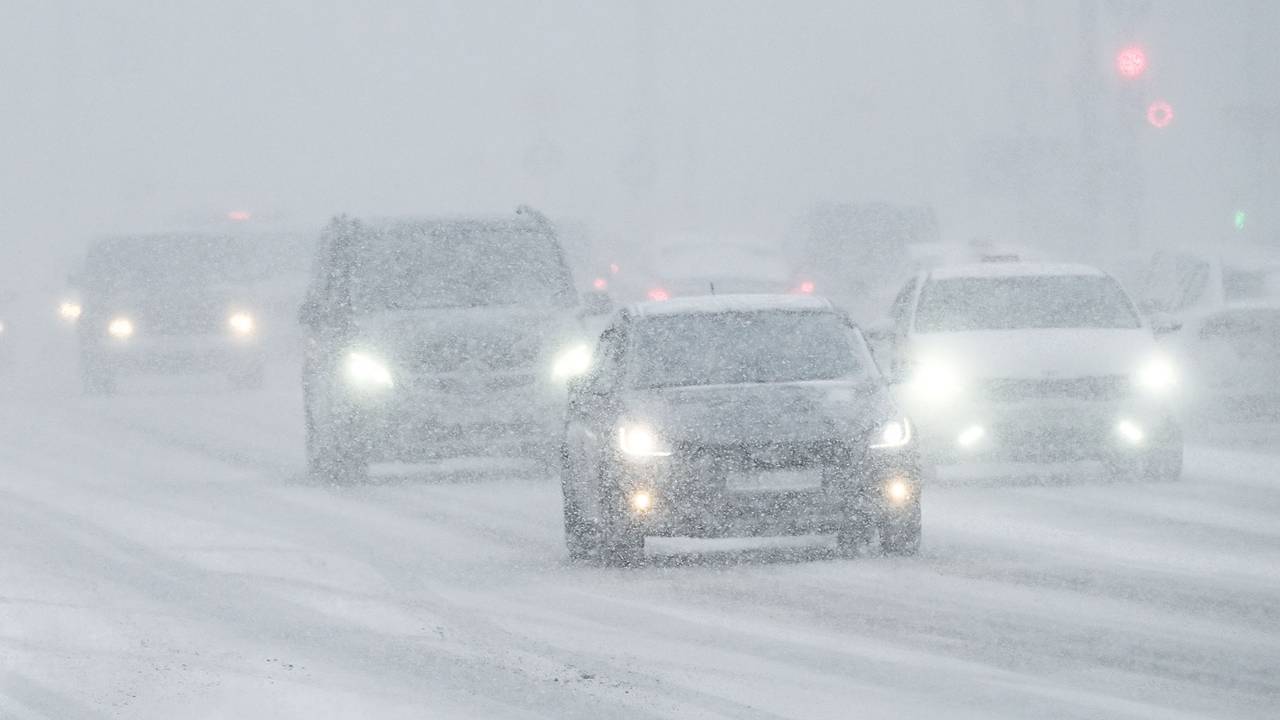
<point x="135" y="114"/>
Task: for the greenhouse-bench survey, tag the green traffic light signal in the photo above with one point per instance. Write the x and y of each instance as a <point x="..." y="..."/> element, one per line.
<point x="1240" y="219"/>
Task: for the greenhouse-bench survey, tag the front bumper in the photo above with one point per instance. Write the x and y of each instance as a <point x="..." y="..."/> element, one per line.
<point x="691" y="495"/>
<point x="1042" y="431"/>
<point x="179" y="353"/>
<point x="423" y="417"/>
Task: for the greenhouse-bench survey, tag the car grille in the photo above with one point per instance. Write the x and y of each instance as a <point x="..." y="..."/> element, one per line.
<point x="1100" y="388"/>
<point x="475" y="354"/>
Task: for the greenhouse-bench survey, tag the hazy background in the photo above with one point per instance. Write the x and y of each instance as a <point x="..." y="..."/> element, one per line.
<point x="634" y="115"/>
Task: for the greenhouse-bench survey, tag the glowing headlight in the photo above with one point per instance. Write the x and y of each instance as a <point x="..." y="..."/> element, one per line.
<point x="641" y="501"/>
<point x="1158" y="375"/>
<point x="70" y="311"/>
<point x="897" y="491"/>
<point x="241" y="323"/>
<point x="1131" y="431"/>
<point x="120" y="328"/>
<point x="571" y="362"/>
<point x="935" y="382"/>
<point x="892" y="434"/>
<point x="367" y="372"/>
<point x="641" y="441"/>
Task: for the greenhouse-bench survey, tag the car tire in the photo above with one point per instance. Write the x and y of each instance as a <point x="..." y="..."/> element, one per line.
<point x="1163" y="464"/>
<point x="248" y="379"/>
<point x="578" y="535"/>
<point x="335" y="451"/>
<point x="901" y="534"/>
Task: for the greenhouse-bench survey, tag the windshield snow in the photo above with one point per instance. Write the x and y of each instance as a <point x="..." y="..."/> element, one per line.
<point x="749" y="347"/>
<point x="1024" y="302"/>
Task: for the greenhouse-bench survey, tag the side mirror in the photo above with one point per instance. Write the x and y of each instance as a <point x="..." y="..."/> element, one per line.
<point x="309" y="314"/>
<point x="1164" y="324"/>
<point x="596" y="302"/>
<point x="881" y="331"/>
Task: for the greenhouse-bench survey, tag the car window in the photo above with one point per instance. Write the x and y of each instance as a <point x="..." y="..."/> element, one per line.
<point x="1023" y="302"/>
<point x="742" y="347"/>
<point x="607" y="359"/>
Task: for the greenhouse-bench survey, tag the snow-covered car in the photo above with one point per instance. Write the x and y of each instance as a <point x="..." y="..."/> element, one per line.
<point x="688" y="265"/>
<point x="168" y="303"/>
<point x="431" y="337"/>
<point x="1032" y="362"/>
<point x="1228" y="303"/>
<point x="735" y="415"/>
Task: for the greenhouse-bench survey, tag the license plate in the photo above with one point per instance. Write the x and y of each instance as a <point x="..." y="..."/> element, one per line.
<point x="775" y="480"/>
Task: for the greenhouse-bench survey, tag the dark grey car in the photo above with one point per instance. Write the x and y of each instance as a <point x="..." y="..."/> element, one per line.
<point x="730" y="416"/>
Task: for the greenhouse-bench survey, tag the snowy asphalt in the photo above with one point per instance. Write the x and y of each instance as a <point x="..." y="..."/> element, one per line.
<point x="161" y="556"/>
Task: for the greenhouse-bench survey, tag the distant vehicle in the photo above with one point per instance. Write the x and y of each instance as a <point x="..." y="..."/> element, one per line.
<point x="168" y="303"/>
<point x="1032" y="362"/>
<point x="735" y="415"/>
<point x="848" y="250"/>
<point x="430" y="337"/>
<point x="692" y="265"/>
<point x="1228" y="302"/>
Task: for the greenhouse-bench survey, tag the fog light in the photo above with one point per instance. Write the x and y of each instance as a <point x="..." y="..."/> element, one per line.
<point x="70" y="311"/>
<point x="897" y="491"/>
<point x="1130" y="431"/>
<point x="641" y="501"/>
<point x="970" y="436"/>
<point x="120" y="328"/>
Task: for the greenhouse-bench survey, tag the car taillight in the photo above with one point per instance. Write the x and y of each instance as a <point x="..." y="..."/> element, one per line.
<point x="600" y="283"/>
<point x="659" y="294"/>
<point x="613" y="268"/>
<point x="805" y="288"/>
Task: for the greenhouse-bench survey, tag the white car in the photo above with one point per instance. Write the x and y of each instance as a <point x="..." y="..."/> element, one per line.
<point x="1228" y="302"/>
<point x="1032" y="362"/>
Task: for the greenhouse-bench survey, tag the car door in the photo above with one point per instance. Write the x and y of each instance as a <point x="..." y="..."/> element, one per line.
<point x="591" y="415"/>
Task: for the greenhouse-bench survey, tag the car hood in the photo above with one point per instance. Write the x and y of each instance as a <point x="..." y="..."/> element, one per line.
<point x="775" y="412"/>
<point x="469" y="339"/>
<point x="1026" y="354"/>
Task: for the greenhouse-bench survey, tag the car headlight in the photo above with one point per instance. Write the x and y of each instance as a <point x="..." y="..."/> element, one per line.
<point x="69" y="311"/>
<point x="934" y="381"/>
<point x="367" y="372"/>
<point x="1158" y="375"/>
<point x="641" y="441"/>
<point x="120" y="328"/>
<point x="892" y="434"/>
<point x="571" y="362"/>
<point x="241" y="323"/>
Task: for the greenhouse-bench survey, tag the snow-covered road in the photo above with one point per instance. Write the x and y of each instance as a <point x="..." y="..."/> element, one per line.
<point x="162" y="556"/>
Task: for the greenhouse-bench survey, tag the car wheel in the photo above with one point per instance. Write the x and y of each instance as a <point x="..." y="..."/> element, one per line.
<point x="250" y="379"/>
<point x="1163" y="464"/>
<point x="98" y="380"/>
<point x="335" y="451"/>
<point x="577" y="528"/>
<point x="900" y="532"/>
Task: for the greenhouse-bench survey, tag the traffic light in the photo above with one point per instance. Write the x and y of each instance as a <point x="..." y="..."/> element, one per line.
<point x="1239" y="219"/>
<point x="1131" y="62"/>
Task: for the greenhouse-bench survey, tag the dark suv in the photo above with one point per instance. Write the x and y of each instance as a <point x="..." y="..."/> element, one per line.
<point x="169" y="303"/>
<point x="735" y="415"/>
<point x="437" y="337"/>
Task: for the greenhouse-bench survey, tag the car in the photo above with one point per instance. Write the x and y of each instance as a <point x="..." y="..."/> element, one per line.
<point x="431" y="337"/>
<point x="168" y="303"/>
<point x="1033" y="363"/>
<point x="735" y="415"/>
<point x="1227" y="301"/>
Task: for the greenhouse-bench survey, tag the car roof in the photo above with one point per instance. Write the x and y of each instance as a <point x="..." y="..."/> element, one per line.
<point x="1012" y="269"/>
<point x="710" y="304"/>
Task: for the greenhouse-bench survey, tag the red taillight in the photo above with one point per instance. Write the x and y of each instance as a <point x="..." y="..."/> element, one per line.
<point x="600" y="283"/>
<point x="805" y="288"/>
<point x="658" y="295"/>
<point x="238" y="215"/>
<point x="613" y="268"/>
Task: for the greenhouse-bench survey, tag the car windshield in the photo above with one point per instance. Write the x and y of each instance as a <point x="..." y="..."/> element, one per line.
<point x="742" y="347"/>
<point x="1023" y="302"/>
<point x="167" y="264"/>
<point x="458" y="265"/>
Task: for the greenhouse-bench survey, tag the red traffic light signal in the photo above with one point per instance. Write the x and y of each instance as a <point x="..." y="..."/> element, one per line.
<point x="1131" y="62"/>
<point x="1160" y="114"/>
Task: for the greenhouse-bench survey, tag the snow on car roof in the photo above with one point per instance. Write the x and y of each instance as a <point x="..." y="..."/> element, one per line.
<point x="730" y="303"/>
<point x="1011" y="269"/>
